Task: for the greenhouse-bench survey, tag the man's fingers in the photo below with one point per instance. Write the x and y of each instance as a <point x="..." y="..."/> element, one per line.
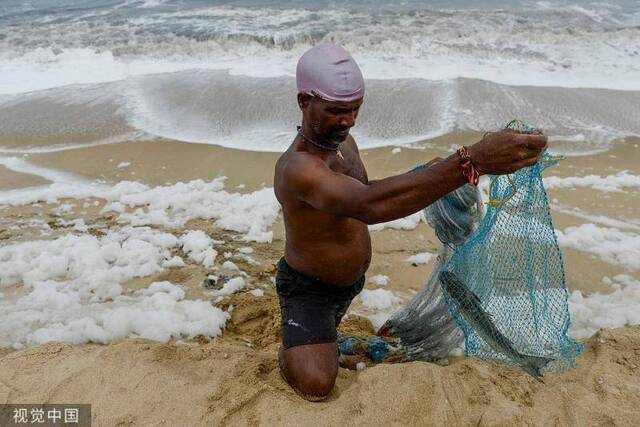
<point x="534" y="142"/>
<point x="528" y="154"/>
<point x="534" y="159"/>
<point x="546" y="145"/>
<point x="525" y="163"/>
<point x="535" y="152"/>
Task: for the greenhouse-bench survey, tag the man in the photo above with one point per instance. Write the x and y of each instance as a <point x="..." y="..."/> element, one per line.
<point x="328" y="201"/>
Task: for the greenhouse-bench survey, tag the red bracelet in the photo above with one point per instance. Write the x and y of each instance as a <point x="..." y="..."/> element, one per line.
<point x="468" y="168"/>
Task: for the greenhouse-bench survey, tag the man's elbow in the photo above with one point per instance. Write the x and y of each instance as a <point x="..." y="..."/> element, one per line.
<point x="368" y="213"/>
<point x="357" y="205"/>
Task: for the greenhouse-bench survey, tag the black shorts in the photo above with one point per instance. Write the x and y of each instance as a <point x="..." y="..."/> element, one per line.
<point x="311" y="310"/>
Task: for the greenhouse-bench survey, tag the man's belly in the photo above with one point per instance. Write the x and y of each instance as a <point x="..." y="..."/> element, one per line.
<point x="335" y="261"/>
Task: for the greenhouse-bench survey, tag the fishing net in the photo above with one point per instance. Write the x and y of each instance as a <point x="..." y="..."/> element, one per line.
<point x="424" y="326"/>
<point x="503" y="282"/>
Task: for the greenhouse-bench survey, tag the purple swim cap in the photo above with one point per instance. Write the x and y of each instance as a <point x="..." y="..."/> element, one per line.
<point x="329" y="72"/>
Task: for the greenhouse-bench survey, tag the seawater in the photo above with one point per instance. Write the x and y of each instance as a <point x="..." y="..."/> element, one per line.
<point x="222" y="72"/>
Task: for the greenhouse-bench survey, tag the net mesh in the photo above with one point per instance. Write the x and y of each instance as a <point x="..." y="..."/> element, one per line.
<point x="424" y="326"/>
<point x="505" y="286"/>
<point x="501" y="279"/>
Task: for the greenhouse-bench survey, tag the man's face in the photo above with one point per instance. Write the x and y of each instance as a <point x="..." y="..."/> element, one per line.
<point x="329" y="120"/>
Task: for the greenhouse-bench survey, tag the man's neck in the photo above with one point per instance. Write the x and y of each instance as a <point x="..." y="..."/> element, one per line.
<point x="307" y="133"/>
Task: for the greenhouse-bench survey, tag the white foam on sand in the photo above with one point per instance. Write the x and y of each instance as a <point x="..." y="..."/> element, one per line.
<point x="158" y="312"/>
<point x="256" y="292"/>
<point x="174" y="262"/>
<point x="609" y="244"/>
<point x="610" y="183"/>
<point x="378" y="299"/>
<point x="74" y="293"/>
<point x="614" y="310"/>
<point x="628" y="224"/>
<point x="407" y="223"/>
<point x="70" y="288"/>
<point x="229" y="265"/>
<point x="197" y="245"/>
<point x="95" y="265"/>
<point x="421" y="258"/>
<point x="378" y="305"/>
<point x="171" y="206"/>
<point x="230" y="287"/>
<point x="72" y="285"/>
<point x="379" y="280"/>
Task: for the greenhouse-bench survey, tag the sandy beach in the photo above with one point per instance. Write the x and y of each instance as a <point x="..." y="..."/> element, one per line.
<point x="228" y="382"/>
<point x="233" y="378"/>
<point x="140" y="233"/>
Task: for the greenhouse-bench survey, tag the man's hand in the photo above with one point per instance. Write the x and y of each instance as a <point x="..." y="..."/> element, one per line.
<point x="506" y="151"/>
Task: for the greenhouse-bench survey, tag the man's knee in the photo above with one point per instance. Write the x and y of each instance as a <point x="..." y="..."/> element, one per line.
<point x="315" y="385"/>
<point x="311" y="370"/>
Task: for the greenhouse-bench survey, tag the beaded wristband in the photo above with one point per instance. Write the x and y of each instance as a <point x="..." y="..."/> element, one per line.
<point x="468" y="168"/>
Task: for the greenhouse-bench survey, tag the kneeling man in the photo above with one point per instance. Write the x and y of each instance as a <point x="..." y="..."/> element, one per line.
<point x="328" y="201"/>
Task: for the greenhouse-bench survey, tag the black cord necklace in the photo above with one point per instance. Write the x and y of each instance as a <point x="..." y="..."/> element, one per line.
<point x="334" y="148"/>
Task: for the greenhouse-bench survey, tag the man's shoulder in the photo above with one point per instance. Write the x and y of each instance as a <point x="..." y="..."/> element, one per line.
<point x="297" y="168"/>
<point x="299" y="164"/>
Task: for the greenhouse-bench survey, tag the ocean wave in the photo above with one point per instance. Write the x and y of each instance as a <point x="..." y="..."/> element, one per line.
<point x="552" y="44"/>
<point x="64" y="115"/>
<point x="213" y="107"/>
<point x="259" y="114"/>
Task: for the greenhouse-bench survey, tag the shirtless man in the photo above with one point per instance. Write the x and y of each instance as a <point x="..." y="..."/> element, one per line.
<point x="328" y="201"/>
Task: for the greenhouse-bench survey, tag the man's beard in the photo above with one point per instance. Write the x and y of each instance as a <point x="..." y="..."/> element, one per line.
<point x="332" y="137"/>
<point x="336" y="140"/>
<point x="336" y="137"/>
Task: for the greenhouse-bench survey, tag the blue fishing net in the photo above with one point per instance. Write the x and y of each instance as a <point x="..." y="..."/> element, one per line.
<point x="423" y="328"/>
<point x="505" y="285"/>
<point x="502" y="280"/>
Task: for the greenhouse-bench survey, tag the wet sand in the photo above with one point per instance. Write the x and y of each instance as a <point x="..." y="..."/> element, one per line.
<point x="10" y="180"/>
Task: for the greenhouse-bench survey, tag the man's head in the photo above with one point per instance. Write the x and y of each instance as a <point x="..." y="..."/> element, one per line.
<point x="330" y="90"/>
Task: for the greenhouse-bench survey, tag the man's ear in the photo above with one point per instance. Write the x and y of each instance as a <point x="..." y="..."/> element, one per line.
<point x="303" y="100"/>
